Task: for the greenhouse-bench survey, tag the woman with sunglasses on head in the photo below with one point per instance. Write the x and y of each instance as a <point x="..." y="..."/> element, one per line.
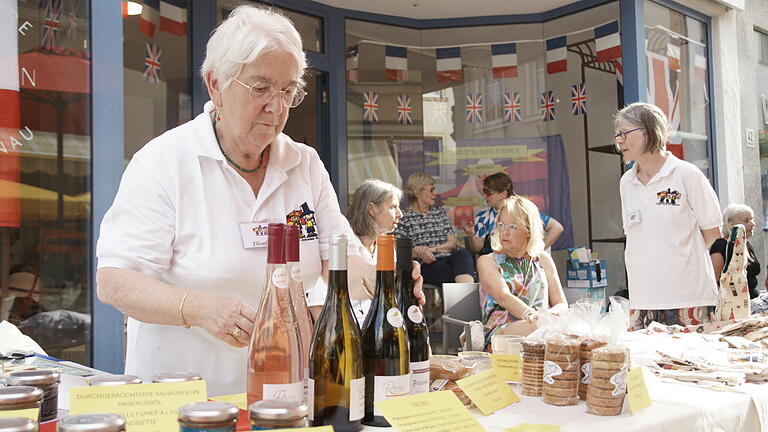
<point x="671" y="216"/>
<point x="182" y="251"/>
<point x="496" y="188"/>
<point x="519" y="277"/>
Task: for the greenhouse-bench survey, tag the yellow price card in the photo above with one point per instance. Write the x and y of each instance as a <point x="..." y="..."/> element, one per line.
<point x="31" y="413"/>
<point x="637" y="392"/>
<point x="507" y="367"/>
<point x="239" y="400"/>
<point x="429" y="412"/>
<point x="488" y="391"/>
<point x="533" y="427"/>
<point x="146" y="407"/>
<point x="315" y="429"/>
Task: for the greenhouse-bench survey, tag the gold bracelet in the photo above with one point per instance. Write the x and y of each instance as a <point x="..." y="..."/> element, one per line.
<point x="181" y="309"/>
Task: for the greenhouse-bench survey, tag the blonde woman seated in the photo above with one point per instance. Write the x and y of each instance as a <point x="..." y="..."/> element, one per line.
<point x="519" y="277"/>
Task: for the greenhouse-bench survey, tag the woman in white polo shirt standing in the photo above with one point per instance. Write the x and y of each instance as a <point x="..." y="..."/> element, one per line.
<point x="671" y="216"/>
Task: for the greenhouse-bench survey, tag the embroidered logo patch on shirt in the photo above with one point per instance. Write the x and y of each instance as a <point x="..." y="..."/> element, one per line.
<point x="304" y="218"/>
<point x="668" y="197"/>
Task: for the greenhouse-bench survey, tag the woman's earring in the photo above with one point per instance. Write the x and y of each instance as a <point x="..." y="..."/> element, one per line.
<point x="218" y="115"/>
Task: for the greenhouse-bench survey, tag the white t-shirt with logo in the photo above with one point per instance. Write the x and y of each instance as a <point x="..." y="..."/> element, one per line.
<point x="668" y="264"/>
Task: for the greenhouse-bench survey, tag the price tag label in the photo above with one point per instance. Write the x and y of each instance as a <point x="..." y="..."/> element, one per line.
<point x="429" y="412"/>
<point x="31" y="413"/>
<point x="533" y="427"/>
<point x="507" y="367"/>
<point x="488" y="391"/>
<point x="239" y="400"/>
<point x="637" y="392"/>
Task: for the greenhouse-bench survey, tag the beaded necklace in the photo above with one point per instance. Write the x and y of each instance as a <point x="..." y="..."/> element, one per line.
<point x="233" y="163"/>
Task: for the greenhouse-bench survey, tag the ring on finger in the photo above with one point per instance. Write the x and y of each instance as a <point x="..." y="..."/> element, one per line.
<point x="236" y="332"/>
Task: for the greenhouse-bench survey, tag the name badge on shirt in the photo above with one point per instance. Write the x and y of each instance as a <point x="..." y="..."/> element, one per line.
<point x="254" y="234"/>
<point x="634" y="218"/>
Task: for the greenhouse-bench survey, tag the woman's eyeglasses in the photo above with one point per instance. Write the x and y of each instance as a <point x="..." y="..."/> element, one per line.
<point x="262" y="93"/>
<point x="623" y="134"/>
<point x="503" y="228"/>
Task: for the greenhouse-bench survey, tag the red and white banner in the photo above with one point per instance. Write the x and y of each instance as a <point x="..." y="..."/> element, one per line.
<point x="660" y="94"/>
<point x="10" y="116"/>
<point x="173" y="17"/>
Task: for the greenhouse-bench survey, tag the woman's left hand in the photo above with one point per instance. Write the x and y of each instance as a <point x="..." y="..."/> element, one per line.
<point x="418" y="284"/>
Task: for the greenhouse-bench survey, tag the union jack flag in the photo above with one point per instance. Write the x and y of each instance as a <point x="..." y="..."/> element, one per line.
<point x="440" y="112"/>
<point x="72" y="23"/>
<point x="370" y="107"/>
<point x="51" y="24"/>
<point x="578" y="99"/>
<point x="512" y="107"/>
<point x="474" y="107"/>
<point x="404" y="110"/>
<point x="152" y="63"/>
<point x="547" y="105"/>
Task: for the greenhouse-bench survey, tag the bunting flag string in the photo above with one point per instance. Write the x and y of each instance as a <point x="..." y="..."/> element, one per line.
<point x="396" y="63"/>
<point x="152" y="63"/>
<point x="404" y="110"/>
<point x="173" y="17"/>
<point x="608" y="42"/>
<point x="547" y="105"/>
<point x="504" y="60"/>
<point x="474" y="107"/>
<point x="578" y="99"/>
<point x="51" y="24"/>
<point x="512" y="107"/>
<point x="370" y="107"/>
<point x="448" y="64"/>
<point x="557" y="55"/>
<point x="150" y="17"/>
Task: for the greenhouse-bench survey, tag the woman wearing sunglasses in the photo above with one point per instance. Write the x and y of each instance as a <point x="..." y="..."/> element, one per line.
<point x="519" y="277"/>
<point x="671" y="216"/>
<point x="496" y="188"/>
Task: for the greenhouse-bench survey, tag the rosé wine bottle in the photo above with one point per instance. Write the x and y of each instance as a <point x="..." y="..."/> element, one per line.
<point x="274" y="356"/>
<point x="298" y="299"/>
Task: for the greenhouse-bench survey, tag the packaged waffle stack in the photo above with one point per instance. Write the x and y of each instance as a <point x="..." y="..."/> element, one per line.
<point x="585" y="370"/>
<point x="608" y="384"/>
<point x="533" y="366"/>
<point x="561" y="371"/>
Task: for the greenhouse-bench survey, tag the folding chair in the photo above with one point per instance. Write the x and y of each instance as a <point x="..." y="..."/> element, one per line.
<point x="461" y="304"/>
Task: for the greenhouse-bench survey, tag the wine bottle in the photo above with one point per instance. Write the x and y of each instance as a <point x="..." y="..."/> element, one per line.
<point x="336" y="376"/>
<point x="274" y="366"/>
<point x="298" y="299"/>
<point x="385" y="339"/>
<point x="415" y="325"/>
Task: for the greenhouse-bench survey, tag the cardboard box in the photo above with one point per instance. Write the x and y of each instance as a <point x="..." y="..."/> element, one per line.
<point x="585" y="275"/>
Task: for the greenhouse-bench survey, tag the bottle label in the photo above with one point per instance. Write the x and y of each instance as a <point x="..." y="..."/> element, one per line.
<point x="388" y="387"/>
<point x="420" y="377"/>
<point x="280" y="278"/>
<point x="296" y="273"/>
<point x="356" y="399"/>
<point x="311" y="398"/>
<point x="306" y="385"/>
<point x="219" y="429"/>
<point x="414" y="314"/>
<point x="288" y="392"/>
<point x="394" y="317"/>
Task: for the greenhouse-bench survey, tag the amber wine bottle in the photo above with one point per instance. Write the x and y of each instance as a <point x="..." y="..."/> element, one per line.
<point x="385" y="339"/>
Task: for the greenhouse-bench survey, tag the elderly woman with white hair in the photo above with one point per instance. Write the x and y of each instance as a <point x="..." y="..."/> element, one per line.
<point x="737" y="214"/>
<point x="182" y="251"/>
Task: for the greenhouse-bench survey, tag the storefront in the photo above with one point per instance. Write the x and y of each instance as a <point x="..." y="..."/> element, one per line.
<point x="530" y="92"/>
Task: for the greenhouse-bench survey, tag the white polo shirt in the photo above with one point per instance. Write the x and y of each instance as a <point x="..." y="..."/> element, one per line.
<point x="176" y="217"/>
<point x="668" y="264"/>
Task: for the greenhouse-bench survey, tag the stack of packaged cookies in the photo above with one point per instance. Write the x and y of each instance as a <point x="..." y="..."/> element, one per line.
<point x="533" y="366"/>
<point x="608" y="383"/>
<point x="587" y="345"/>
<point x="561" y="370"/>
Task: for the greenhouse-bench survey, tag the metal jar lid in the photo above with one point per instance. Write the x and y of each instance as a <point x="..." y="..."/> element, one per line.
<point x="19" y="395"/>
<point x="17" y="424"/>
<point x="114" y="380"/>
<point x="33" y="378"/>
<point x="174" y="377"/>
<point x="208" y="412"/>
<point x="93" y="422"/>
<point x="278" y="410"/>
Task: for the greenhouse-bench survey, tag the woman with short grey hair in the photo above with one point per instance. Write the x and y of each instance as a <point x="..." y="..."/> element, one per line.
<point x="375" y="210"/>
<point x="671" y="215"/>
<point x="737" y="214"/>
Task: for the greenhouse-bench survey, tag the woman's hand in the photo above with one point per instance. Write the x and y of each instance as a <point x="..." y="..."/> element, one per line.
<point x="531" y="315"/>
<point x="418" y="284"/>
<point x="223" y="317"/>
<point x="425" y="254"/>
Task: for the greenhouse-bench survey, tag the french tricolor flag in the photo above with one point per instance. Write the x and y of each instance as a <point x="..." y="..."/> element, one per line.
<point x="608" y="41"/>
<point x="396" y="63"/>
<point x="504" y="60"/>
<point x="150" y="17"/>
<point x="10" y="116"/>
<point x="173" y="17"/>
<point x="557" y="55"/>
<point x="448" y="64"/>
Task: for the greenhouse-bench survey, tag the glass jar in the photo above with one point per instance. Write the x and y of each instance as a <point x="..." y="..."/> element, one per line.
<point x="93" y="423"/>
<point x="17" y="424"/>
<point x="174" y="377"/>
<point x="113" y="380"/>
<point x="20" y="398"/>
<point x="45" y="380"/>
<point x="277" y="414"/>
<point x="208" y="416"/>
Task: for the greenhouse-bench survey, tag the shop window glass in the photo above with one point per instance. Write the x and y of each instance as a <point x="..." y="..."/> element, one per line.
<point x="761" y="81"/>
<point x="678" y="82"/>
<point x="485" y="100"/>
<point x="763" y="38"/>
<point x="156" y="72"/>
<point x="45" y="155"/>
